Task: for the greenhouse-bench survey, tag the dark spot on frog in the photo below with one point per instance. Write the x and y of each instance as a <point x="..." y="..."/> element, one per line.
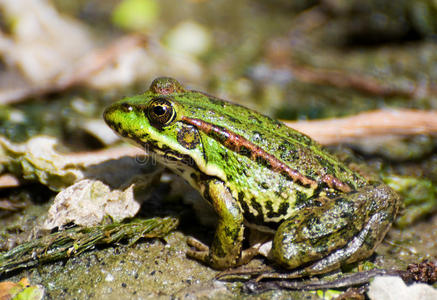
<point x="300" y="197"/>
<point x="224" y="155"/>
<point x="317" y="203"/>
<point x="346" y="215"/>
<point x="233" y="120"/>
<point x="262" y="161"/>
<point x="269" y="207"/>
<point x="283" y="208"/>
<point x="219" y="251"/>
<point x="188" y="137"/>
<point x="123" y="133"/>
<point x="194" y="176"/>
<point x="245" y="151"/>
<point x="264" y="185"/>
<point x="240" y="197"/>
<point x="249" y="216"/>
<point x="126" y="107"/>
<point x="256" y="206"/>
<point x="232" y="233"/>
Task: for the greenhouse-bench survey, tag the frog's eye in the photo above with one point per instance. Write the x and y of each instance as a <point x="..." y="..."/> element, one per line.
<point x="161" y="112"/>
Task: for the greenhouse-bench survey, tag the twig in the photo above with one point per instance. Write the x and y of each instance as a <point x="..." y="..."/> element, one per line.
<point x="95" y="157"/>
<point x="369" y="124"/>
<point x="8" y="180"/>
<point x="346" y="281"/>
<point x="425" y="271"/>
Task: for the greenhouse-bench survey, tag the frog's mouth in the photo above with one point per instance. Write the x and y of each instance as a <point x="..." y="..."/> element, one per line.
<point x="165" y="155"/>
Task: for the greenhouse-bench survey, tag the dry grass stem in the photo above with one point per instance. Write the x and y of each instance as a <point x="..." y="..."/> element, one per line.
<point x="369" y="124"/>
<point x="8" y="180"/>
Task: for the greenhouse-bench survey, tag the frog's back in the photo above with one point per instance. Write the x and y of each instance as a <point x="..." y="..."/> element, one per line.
<point x="288" y="146"/>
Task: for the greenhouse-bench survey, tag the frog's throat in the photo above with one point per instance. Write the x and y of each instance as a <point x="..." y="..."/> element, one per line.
<point x="242" y="146"/>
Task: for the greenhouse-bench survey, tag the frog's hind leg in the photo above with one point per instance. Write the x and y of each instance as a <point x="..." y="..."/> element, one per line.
<point x="386" y="205"/>
<point x="344" y="230"/>
<point x="359" y="248"/>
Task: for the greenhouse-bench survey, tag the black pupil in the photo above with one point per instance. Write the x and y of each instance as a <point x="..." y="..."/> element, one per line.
<point x="159" y="110"/>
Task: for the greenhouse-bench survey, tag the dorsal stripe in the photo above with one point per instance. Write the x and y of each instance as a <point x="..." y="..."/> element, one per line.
<point x="241" y="145"/>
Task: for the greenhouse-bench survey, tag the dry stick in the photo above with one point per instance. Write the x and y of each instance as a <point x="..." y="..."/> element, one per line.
<point x="425" y="272"/>
<point x="8" y="180"/>
<point x="79" y="73"/>
<point x="96" y="157"/>
<point x="369" y="124"/>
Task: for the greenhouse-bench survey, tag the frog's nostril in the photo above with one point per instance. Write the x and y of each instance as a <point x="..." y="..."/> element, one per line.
<point x="126" y="107"/>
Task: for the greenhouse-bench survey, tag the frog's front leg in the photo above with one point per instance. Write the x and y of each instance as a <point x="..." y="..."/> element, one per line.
<point x="344" y="230"/>
<point x="226" y="247"/>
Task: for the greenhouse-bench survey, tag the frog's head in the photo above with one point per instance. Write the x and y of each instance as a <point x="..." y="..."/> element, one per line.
<point x="155" y="121"/>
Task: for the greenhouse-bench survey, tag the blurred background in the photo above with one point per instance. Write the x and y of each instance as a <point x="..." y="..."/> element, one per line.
<point x="305" y="60"/>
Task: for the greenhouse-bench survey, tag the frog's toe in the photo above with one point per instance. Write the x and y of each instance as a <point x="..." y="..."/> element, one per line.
<point x="201" y="247"/>
<point x="201" y="256"/>
<point x="247" y="255"/>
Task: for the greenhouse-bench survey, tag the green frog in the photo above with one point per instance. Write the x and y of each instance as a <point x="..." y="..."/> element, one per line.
<point x="257" y="173"/>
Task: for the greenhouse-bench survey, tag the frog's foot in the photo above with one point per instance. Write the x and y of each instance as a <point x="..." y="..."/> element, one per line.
<point x="202" y="251"/>
<point x="247" y="255"/>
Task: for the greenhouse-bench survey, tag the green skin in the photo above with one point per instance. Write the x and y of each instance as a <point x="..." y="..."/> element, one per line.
<point x="321" y="213"/>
